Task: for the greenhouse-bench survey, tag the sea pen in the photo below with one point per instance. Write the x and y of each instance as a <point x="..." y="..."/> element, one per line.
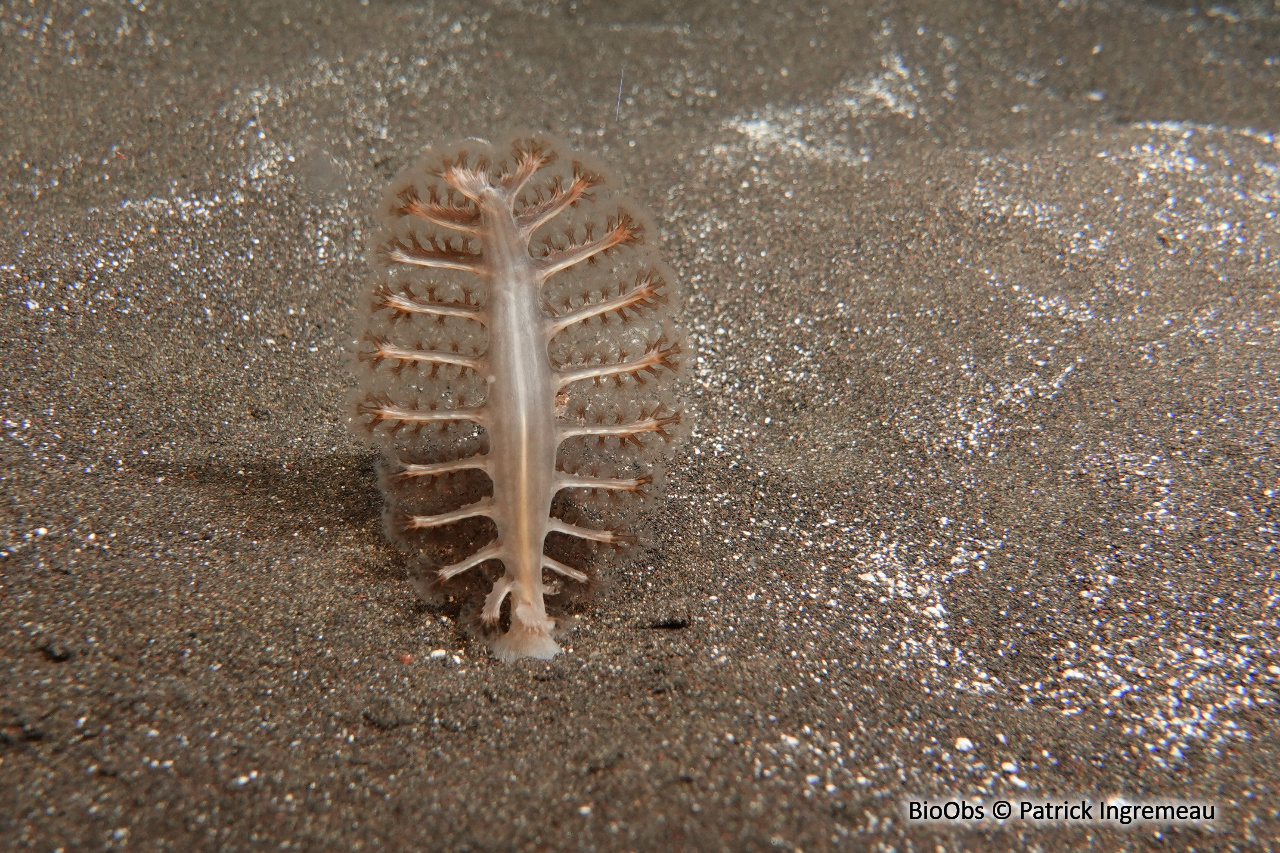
<point x="517" y="367"/>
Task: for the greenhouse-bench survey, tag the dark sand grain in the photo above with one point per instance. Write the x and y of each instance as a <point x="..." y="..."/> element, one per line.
<point x="982" y="298"/>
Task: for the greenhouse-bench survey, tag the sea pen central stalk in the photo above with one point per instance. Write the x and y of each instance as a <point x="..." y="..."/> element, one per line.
<point x="521" y="425"/>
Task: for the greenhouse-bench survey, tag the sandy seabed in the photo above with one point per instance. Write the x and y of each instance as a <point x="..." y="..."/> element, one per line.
<point x="980" y="304"/>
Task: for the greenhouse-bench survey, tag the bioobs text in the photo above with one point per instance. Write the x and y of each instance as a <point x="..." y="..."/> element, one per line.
<point x="945" y="810"/>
